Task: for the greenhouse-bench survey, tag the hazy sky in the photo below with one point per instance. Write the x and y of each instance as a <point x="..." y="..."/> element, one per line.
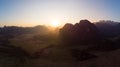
<point x="37" y="12"/>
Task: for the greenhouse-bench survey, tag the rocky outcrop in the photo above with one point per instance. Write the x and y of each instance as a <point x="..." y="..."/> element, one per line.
<point x="83" y="32"/>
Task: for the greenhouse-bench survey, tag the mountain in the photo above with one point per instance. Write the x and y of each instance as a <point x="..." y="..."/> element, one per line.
<point x="109" y="29"/>
<point x="11" y="31"/>
<point x="83" y="32"/>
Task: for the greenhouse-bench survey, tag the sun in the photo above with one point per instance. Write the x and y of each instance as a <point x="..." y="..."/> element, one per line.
<point x="55" y="23"/>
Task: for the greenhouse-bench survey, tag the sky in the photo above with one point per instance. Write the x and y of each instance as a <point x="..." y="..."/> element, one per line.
<point x="43" y="12"/>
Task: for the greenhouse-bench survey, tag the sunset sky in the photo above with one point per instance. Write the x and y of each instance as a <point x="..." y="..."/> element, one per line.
<point x="43" y="12"/>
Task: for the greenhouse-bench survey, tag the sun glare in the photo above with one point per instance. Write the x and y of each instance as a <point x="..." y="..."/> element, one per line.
<point x="55" y="23"/>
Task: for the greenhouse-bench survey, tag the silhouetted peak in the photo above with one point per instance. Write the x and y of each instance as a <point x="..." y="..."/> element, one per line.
<point x="77" y="24"/>
<point x="68" y="26"/>
<point x="84" y="22"/>
<point x="83" y="31"/>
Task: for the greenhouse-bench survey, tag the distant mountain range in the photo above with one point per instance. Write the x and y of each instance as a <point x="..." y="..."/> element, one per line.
<point x="87" y="32"/>
<point x="109" y="28"/>
<point x="14" y="30"/>
<point x="84" y="30"/>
